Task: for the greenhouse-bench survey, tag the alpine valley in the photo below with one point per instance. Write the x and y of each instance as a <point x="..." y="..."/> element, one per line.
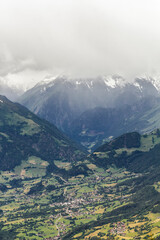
<point x="54" y="188"/>
<point x="92" y="111"/>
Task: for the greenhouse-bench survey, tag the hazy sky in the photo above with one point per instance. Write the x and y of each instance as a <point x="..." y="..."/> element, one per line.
<point x="78" y="37"/>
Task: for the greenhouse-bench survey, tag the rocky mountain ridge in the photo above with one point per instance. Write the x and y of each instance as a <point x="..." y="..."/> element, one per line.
<point x="71" y="104"/>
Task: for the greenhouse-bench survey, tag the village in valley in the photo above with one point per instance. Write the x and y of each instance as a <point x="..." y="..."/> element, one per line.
<point x="51" y="207"/>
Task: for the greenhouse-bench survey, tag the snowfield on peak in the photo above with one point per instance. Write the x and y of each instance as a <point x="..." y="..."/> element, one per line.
<point x="154" y="80"/>
<point x="136" y="84"/>
<point x="114" y="81"/>
<point x="109" y="81"/>
<point x="46" y="80"/>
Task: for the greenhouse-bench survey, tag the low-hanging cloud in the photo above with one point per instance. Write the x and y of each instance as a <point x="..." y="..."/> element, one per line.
<point x="80" y="38"/>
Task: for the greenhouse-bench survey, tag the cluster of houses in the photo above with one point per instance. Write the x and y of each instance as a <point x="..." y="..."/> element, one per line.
<point x="119" y="228"/>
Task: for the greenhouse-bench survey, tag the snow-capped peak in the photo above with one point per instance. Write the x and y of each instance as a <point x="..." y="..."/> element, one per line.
<point x="47" y="80"/>
<point x="154" y="80"/>
<point x="110" y="81"/>
<point x="114" y="81"/>
<point x="137" y="84"/>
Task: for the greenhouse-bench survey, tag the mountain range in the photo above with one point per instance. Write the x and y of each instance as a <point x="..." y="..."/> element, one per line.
<point x="91" y="111"/>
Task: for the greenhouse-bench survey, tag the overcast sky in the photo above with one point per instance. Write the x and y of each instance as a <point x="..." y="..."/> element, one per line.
<point x="78" y="37"/>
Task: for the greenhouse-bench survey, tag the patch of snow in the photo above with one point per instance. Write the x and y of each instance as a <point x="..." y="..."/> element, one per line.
<point x="47" y="80"/>
<point x="1" y="101"/>
<point x="109" y="81"/>
<point x="114" y="81"/>
<point x="155" y="80"/>
<point x="78" y="82"/>
<point x="156" y="83"/>
<point x="88" y="85"/>
<point x="120" y="81"/>
<point x="136" y="84"/>
<point x="43" y="89"/>
<point x="91" y="83"/>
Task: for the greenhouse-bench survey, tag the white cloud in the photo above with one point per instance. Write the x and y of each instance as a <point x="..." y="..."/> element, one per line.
<point x="80" y="37"/>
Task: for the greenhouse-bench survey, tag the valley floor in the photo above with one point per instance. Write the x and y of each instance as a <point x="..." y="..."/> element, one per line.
<point x="75" y="208"/>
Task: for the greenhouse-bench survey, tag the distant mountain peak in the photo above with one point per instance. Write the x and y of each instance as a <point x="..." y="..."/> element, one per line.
<point x="154" y="80"/>
<point x="48" y="79"/>
<point x="156" y="83"/>
<point x="109" y="81"/>
<point x="114" y="81"/>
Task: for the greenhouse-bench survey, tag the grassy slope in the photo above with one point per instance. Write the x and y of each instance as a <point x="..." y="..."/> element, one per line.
<point x="23" y="134"/>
